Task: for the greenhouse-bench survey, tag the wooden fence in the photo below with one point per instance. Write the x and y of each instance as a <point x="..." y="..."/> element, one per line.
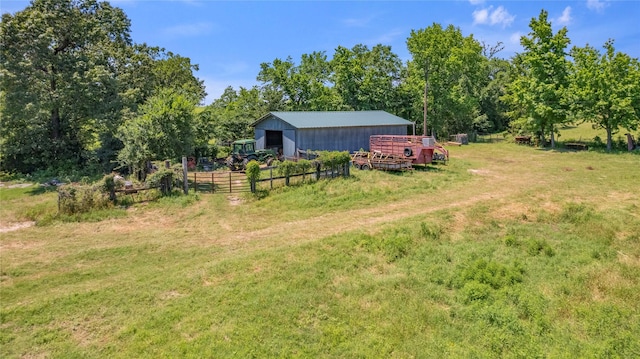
<point x="273" y="180"/>
<point x="237" y="182"/>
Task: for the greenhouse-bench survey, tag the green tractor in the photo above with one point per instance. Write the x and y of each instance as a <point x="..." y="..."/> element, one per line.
<point x="243" y="151"/>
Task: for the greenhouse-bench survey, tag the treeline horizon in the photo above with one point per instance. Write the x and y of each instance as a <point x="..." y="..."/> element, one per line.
<point x="77" y="93"/>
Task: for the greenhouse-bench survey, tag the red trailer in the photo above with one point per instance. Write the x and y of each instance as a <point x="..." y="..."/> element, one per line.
<point x="388" y="152"/>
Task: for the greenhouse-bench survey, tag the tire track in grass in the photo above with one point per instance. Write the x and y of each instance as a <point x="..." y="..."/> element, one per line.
<point x="316" y="228"/>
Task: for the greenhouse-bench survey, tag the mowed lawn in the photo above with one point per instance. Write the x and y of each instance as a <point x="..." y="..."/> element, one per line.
<point x="507" y="251"/>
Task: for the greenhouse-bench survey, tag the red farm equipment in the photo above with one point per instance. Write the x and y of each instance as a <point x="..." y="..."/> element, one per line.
<point x="400" y="152"/>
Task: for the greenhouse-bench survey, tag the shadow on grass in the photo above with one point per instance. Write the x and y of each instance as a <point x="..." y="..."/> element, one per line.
<point x="40" y="189"/>
<point x="428" y="168"/>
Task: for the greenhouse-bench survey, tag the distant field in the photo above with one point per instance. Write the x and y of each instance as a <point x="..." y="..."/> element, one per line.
<point x="508" y="251"/>
<point x="585" y="132"/>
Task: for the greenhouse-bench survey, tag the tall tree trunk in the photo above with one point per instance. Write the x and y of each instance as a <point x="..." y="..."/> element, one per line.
<point x="553" y="138"/>
<point x="543" y="140"/>
<point x="609" y="137"/>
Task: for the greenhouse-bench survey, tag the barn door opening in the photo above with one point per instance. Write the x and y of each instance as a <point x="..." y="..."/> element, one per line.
<point x="274" y="141"/>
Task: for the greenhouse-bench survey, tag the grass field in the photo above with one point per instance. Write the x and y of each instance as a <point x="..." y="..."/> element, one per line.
<point x="508" y="251"/>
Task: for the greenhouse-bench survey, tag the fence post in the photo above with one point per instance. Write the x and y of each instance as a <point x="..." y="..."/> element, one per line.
<point x="271" y="177"/>
<point x="213" y="184"/>
<point x="195" y="181"/>
<point x="230" y="184"/>
<point x="185" y="174"/>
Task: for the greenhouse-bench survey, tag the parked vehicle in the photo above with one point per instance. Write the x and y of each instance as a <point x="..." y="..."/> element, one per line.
<point x="243" y="151"/>
<point x="399" y="152"/>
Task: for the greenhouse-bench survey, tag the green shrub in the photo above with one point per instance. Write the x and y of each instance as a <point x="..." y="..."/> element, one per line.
<point x="163" y="179"/>
<point x="331" y="159"/>
<point x="253" y="173"/>
<point x="287" y="168"/>
<point x="79" y="198"/>
<point x="304" y="165"/>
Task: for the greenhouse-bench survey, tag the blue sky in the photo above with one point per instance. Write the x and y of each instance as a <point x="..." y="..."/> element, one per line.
<point x="230" y="39"/>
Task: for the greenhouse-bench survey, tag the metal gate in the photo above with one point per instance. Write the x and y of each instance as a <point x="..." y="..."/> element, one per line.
<point x="219" y="182"/>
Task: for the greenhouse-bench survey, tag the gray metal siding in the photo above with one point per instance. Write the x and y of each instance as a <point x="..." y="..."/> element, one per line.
<point x="260" y="138"/>
<point x="328" y="138"/>
<point x="343" y="139"/>
<point x="273" y="124"/>
<point x="289" y="142"/>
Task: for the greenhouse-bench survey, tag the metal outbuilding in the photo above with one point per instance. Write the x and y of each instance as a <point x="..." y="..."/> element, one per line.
<point x="286" y="132"/>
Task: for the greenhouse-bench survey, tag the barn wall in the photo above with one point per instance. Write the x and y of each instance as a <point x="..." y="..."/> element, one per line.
<point x="260" y="136"/>
<point x="273" y="124"/>
<point x="331" y="139"/>
<point x="289" y="142"/>
<point x="343" y="138"/>
<point x="276" y="124"/>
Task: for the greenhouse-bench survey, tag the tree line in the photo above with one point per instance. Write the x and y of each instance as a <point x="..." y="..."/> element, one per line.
<point x="76" y="92"/>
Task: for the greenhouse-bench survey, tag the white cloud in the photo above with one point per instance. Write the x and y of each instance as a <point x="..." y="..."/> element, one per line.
<point x="596" y="5"/>
<point x="499" y="16"/>
<point x="196" y="29"/>
<point x="565" y="18"/>
<point x="481" y="16"/>
<point x="476" y="2"/>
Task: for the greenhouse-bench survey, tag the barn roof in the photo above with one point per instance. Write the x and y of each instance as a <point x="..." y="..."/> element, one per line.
<point x="327" y="119"/>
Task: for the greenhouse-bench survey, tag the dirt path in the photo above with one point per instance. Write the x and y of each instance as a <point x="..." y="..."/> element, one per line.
<point x="309" y="229"/>
<point x="10" y="227"/>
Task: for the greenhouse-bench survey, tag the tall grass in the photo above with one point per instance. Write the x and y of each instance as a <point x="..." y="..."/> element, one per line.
<point x="502" y="253"/>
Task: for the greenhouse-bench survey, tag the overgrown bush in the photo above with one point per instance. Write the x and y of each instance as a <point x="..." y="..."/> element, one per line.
<point x="287" y="168"/>
<point x="331" y="159"/>
<point x="253" y="173"/>
<point x="304" y="166"/>
<point x="78" y="198"/>
<point x="164" y="179"/>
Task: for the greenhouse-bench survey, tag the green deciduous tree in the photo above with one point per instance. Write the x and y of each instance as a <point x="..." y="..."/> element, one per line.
<point x="451" y="69"/>
<point x="164" y="130"/>
<point x="537" y="93"/>
<point x="70" y="76"/>
<point x="367" y="79"/>
<point x="605" y="88"/>
<point x="231" y="116"/>
<point x="492" y="108"/>
<point x="291" y="87"/>
<point x="57" y="64"/>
